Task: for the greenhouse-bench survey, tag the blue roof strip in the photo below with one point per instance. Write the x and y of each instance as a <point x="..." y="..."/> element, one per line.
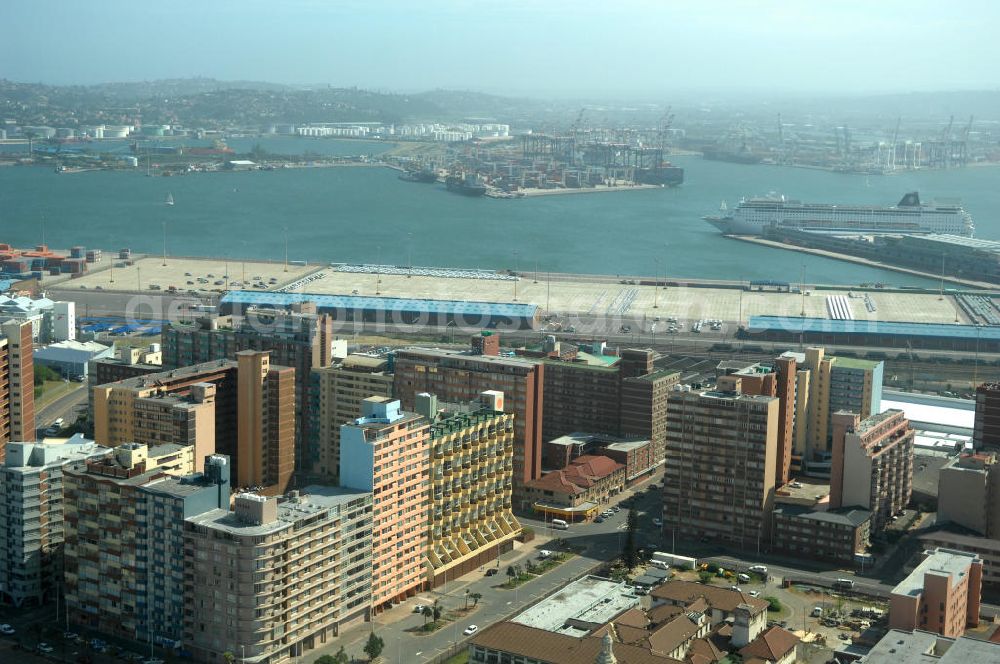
<point x="886" y="328"/>
<point x="355" y="302"/>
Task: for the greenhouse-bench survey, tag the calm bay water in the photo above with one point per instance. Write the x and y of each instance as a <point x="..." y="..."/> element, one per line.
<point x="368" y="214"/>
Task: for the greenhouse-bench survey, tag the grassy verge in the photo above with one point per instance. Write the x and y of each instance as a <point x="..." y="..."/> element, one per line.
<point x="50" y="390"/>
<point x="460" y="658"/>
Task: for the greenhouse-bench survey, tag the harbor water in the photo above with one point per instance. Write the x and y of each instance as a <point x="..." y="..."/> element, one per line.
<point x="366" y="214"/>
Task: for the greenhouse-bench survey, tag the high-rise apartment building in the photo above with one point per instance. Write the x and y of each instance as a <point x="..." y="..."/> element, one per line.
<point x="300" y="339"/>
<point x="719" y="480"/>
<point x="580" y="397"/>
<point x="386" y="451"/>
<point x="472" y="455"/>
<point x="986" y="427"/>
<point x="107" y="521"/>
<point x="776" y="379"/>
<point x="193" y="405"/>
<point x="276" y="577"/>
<point x="31" y="516"/>
<point x="643" y="408"/>
<point x="17" y="383"/>
<point x="872" y="464"/>
<point x="836" y="384"/>
<point x="941" y="595"/>
<point x="969" y="493"/>
<point x="221" y="406"/>
<point x="265" y="423"/>
<point x="336" y="395"/>
<point x="458" y="377"/>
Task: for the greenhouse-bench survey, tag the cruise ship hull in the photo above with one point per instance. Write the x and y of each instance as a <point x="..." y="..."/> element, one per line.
<point x="758" y="216"/>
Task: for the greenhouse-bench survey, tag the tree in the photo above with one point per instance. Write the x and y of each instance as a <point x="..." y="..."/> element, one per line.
<point x="629" y="555"/>
<point x="427" y="612"/>
<point x="475" y="598"/>
<point x="773" y="603"/>
<point x="374" y="646"/>
<point x="340" y="658"/>
<point x="511" y="572"/>
<point x="466" y="599"/>
<point x="437" y="610"/>
<point x="230" y="657"/>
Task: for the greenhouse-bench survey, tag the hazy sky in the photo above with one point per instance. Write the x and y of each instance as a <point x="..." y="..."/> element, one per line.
<point x="513" y="46"/>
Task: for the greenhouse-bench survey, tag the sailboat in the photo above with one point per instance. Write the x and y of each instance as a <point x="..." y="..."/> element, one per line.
<point x="170" y="199"/>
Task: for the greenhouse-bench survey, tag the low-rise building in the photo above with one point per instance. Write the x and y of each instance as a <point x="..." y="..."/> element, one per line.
<point x="923" y="647"/>
<point x="838" y="536"/>
<point x="941" y="595"/>
<point x="577" y="491"/>
<point x="749" y="614"/>
<point x="774" y="646"/>
<point x="637" y="455"/>
<point x="71" y="358"/>
<point x="31" y="516"/>
<point x="275" y="578"/>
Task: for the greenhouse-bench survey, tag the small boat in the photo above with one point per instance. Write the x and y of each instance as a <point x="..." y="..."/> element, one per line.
<point x="170" y="199"/>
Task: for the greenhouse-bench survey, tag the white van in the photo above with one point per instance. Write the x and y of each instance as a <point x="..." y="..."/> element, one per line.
<point x="743" y="578"/>
<point x="844" y="584"/>
<point x="559" y="524"/>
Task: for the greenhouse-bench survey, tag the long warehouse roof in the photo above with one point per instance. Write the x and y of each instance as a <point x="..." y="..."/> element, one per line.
<point x="887" y="328"/>
<point x="355" y="302"/>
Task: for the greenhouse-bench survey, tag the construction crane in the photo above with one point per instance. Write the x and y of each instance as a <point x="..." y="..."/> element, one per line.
<point x="964" y="146"/>
<point x="782" y="157"/>
<point x="895" y="142"/>
<point x="946" y="142"/>
<point x="663" y="126"/>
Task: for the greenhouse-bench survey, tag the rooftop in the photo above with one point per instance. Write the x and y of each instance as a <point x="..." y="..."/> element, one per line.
<point x="855" y="363"/>
<point x="181" y="373"/>
<point x="928" y="648"/>
<point x="941" y="561"/>
<point x="312" y="499"/>
<point x="544" y="646"/>
<point x="874" y="328"/>
<point x="592" y="599"/>
<point x="442" y="353"/>
<point x="392" y="304"/>
<point x="962" y="241"/>
<point x="723" y="599"/>
<point x="845" y="516"/>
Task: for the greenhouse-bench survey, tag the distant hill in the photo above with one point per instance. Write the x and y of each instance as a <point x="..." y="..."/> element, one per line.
<point x="203" y="102"/>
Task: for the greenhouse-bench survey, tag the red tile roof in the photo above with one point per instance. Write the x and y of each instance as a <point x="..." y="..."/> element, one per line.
<point x="770" y="645"/>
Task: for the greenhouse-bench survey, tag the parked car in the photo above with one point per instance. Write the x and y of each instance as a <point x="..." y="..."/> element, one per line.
<point x="754" y="593"/>
<point x="816" y="612"/>
<point x="6" y="629"/>
<point x="45" y="648"/>
<point x="470" y="630"/>
<point x="658" y="522"/>
<point x="544" y="553"/>
<point x="419" y="608"/>
<point x="599" y="519"/>
<point x="491" y="571"/>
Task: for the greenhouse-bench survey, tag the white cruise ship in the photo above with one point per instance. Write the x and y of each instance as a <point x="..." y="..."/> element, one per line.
<point x="755" y="216"/>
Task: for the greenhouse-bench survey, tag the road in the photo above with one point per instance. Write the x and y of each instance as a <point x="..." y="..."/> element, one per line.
<point x="67" y="407"/>
<point x="597" y="543"/>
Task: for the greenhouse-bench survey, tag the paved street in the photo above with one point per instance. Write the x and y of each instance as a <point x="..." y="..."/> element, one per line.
<point x="68" y="406"/>
<point x="598" y="542"/>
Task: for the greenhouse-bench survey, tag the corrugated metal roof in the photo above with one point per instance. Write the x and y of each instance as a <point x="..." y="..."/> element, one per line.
<point x="354" y="302"/>
<point x="887" y="328"/>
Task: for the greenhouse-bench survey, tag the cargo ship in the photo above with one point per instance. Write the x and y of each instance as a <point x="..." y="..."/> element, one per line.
<point x="666" y="175"/>
<point x="425" y="175"/>
<point x="465" y="184"/>
<point x="755" y="216"/>
<point x="741" y="156"/>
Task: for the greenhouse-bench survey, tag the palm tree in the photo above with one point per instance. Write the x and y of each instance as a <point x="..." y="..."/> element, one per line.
<point x="466" y="599"/>
<point x="437" y="610"/>
<point x="427" y="612"/>
<point x="475" y="598"/>
<point x="511" y="572"/>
